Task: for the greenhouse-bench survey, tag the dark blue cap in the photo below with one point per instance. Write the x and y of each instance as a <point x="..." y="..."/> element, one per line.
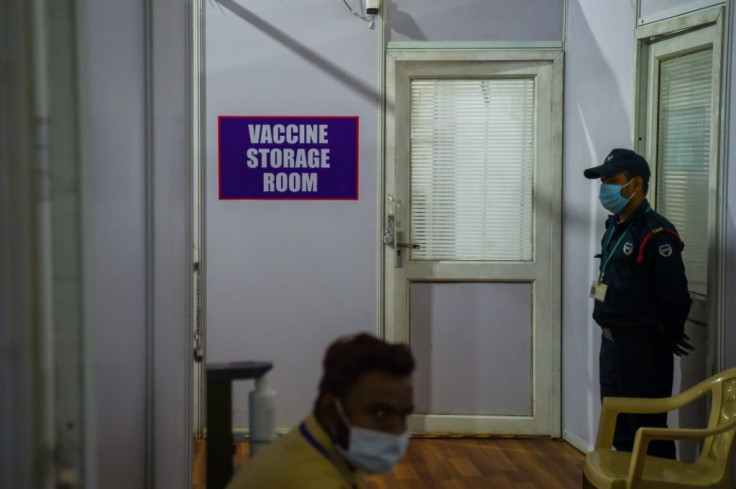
<point x="619" y="160"/>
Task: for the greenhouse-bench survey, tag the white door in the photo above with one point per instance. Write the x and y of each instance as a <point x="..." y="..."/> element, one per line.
<point x="472" y="238"/>
<point x="680" y="137"/>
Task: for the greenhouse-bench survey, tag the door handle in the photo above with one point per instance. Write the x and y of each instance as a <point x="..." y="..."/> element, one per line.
<point x="411" y="246"/>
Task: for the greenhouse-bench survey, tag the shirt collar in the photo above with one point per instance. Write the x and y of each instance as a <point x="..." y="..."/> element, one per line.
<point x="639" y="211"/>
<point x="354" y="477"/>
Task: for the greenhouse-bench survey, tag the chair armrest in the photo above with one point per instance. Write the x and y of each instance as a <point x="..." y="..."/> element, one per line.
<point x="613" y="406"/>
<point x="647" y="405"/>
<point x="645" y="435"/>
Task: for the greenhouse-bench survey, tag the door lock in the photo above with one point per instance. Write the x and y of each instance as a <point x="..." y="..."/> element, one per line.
<point x="389" y="234"/>
<point x="392" y="238"/>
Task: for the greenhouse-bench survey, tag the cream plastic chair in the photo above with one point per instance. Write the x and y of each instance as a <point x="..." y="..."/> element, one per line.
<point x="607" y="469"/>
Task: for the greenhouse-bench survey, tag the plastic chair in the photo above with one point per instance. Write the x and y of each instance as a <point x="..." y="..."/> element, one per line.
<point x="608" y="469"/>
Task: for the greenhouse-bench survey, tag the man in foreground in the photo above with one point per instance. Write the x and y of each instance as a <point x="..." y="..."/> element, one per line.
<point x="358" y="424"/>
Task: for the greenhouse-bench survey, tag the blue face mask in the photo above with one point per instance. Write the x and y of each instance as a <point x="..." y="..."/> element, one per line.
<point x="371" y="451"/>
<point x="611" y="198"/>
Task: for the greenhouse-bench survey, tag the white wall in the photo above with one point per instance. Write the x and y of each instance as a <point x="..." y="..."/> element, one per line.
<point x="475" y="20"/>
<point x="653" y="10"/>
<point x="136" y="242"/>
<point x="285" y="278"/>
<point x="115" y="244"/>
<point x="598" y="117"/>
<point x="170" y="340"/>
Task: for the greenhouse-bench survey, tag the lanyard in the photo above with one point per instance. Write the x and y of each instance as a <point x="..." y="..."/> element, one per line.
<point x="308" y="436"/>
<point x="609" y="252"/>
<point x="318" y="446"/>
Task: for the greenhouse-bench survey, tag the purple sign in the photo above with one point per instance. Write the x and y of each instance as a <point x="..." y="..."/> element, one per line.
<point x="306" y="158"/>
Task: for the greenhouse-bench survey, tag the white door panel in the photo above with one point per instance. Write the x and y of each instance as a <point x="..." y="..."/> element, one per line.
<point x="473" y="172"/>
<point x="461" y="333"/>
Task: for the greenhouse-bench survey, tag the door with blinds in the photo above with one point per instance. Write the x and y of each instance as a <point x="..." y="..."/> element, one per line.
<point x="681" y="142"/>
<point x="472" y="236"/>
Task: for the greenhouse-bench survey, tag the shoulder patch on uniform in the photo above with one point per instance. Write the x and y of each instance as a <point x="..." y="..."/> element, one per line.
<point x="628" y="248"/>
<point x="665" y="250"/>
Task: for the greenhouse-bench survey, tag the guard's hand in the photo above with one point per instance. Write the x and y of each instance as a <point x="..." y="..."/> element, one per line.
<point x="683" y="347"/>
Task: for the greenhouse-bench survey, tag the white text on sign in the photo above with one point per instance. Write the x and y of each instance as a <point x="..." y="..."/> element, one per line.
<point x="288" y="158"/>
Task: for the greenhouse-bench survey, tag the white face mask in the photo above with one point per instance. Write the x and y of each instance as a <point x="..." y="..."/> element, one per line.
<point x="372" y="451"/>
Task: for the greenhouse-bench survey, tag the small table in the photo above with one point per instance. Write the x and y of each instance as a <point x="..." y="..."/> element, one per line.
<point x="220" y="448"/>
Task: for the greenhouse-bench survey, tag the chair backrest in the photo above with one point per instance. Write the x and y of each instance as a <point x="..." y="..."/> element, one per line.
<point x="717" y="449"/>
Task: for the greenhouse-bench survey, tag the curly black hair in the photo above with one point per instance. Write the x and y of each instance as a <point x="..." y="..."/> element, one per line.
<point x="348" y="358"/>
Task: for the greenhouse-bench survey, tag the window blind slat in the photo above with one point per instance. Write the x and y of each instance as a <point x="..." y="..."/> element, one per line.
<point x="472" y="162"/>
<point x="683" y="153"/>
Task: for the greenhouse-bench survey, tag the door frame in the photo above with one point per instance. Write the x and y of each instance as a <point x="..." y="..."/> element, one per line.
<point x="644" y="143"/>
<point x="197" y="212"/>
<point x="551" y="412"/>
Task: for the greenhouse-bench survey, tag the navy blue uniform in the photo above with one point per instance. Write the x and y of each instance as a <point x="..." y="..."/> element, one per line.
<point x="645" y="308"/>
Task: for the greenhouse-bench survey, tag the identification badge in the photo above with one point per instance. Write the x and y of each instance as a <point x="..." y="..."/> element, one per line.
<point x="598" y="291"/>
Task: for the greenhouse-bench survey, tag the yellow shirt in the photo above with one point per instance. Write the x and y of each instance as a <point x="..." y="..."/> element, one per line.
<point x="305" y="458"/>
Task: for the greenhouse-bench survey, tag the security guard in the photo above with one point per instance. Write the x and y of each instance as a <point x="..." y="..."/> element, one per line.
<point x="641" y="296"/>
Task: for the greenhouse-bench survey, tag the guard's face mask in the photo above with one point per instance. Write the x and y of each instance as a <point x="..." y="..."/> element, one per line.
<point x="372" y="451"/>
<point x="611" y="198"/>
